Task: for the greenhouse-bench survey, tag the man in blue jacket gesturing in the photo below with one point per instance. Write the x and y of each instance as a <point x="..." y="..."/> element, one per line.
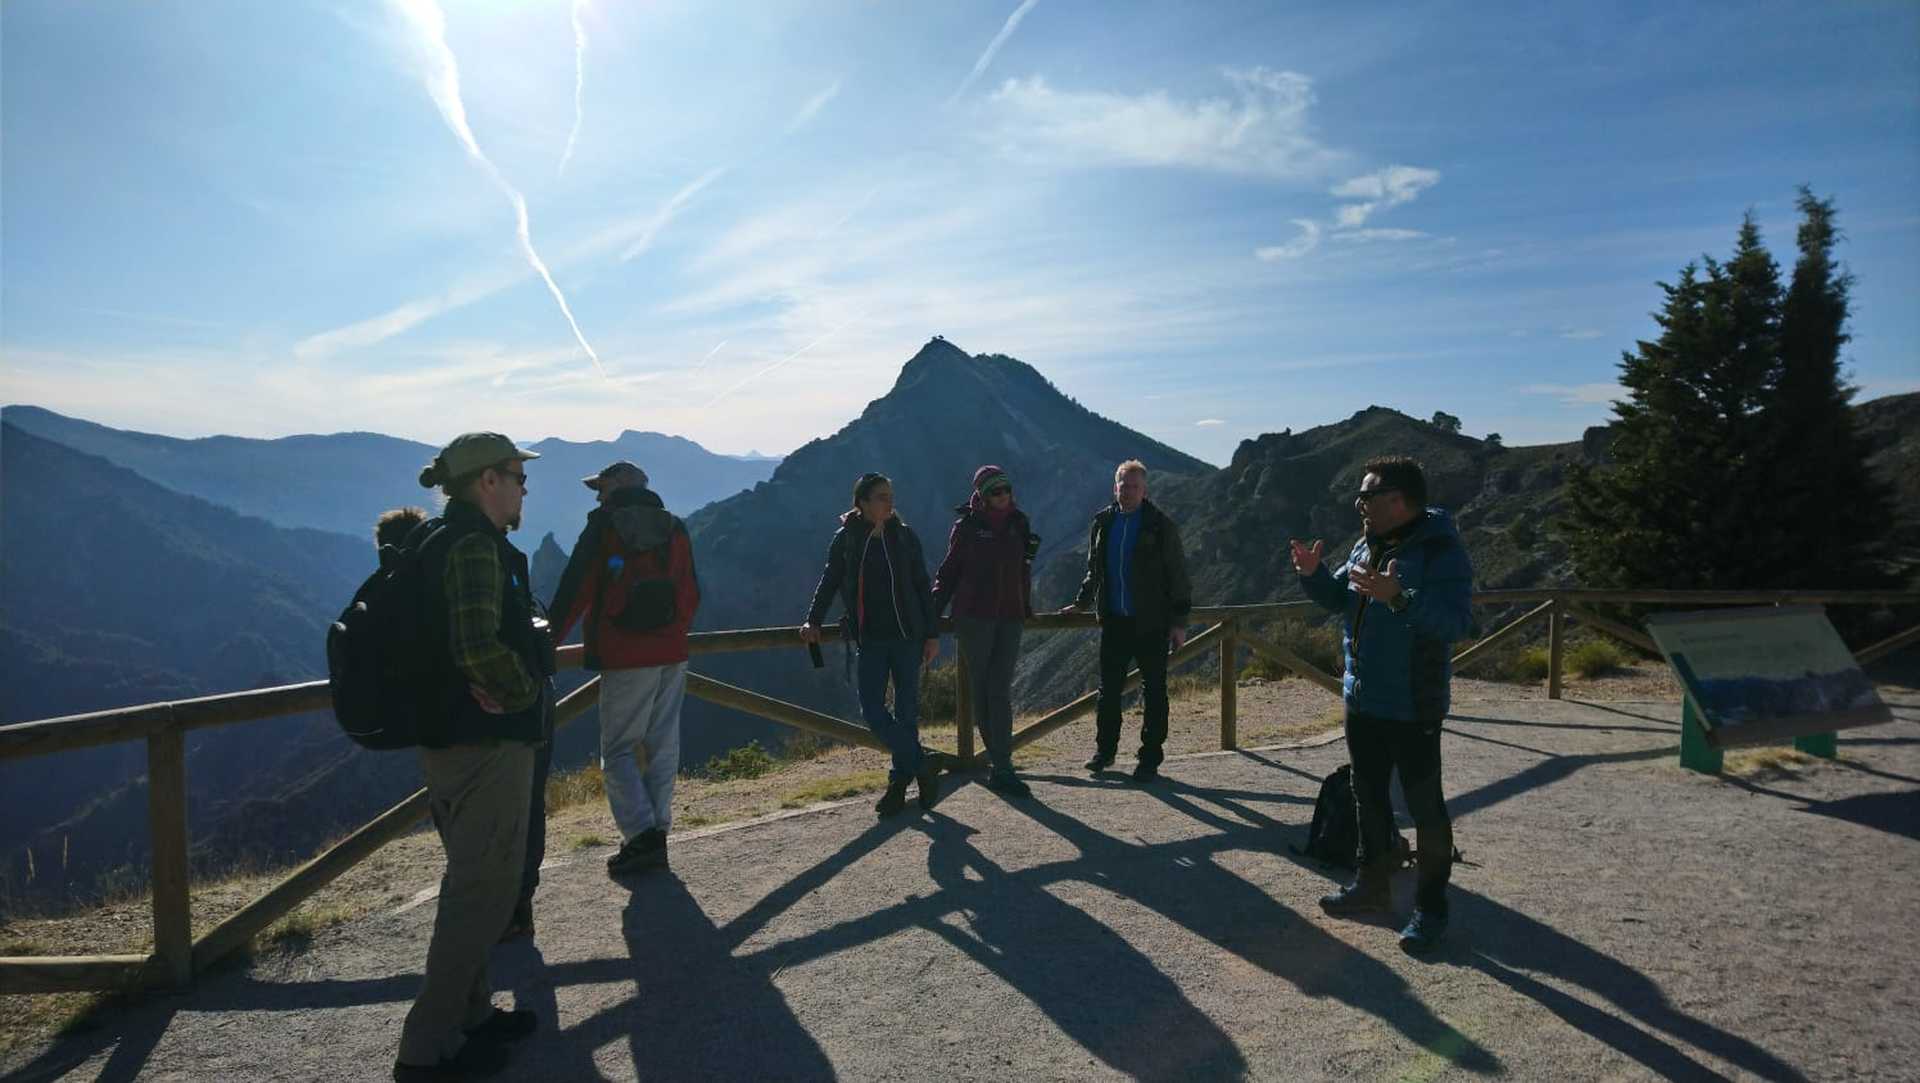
<point x="1405" y="595"/>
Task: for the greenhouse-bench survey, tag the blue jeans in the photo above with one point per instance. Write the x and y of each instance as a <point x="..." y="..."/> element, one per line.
<point x="900" y="729"/>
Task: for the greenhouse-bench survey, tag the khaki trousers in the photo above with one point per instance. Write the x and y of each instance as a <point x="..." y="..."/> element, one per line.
<point x="479" y="797"/>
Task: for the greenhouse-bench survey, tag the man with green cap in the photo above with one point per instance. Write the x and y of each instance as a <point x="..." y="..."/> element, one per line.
<point x="477" y="751"/>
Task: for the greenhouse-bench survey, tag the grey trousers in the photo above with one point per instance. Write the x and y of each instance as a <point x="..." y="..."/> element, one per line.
<point x="478" y="795"/>
<point x="640" y="744"/>
<point x="991" y="648"/>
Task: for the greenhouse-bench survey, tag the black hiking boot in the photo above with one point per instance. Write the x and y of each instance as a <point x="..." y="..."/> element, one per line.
<point x="505" y="1026"/>
<point x="894" y="801"/>
<point x="1366" y="895"/>
<point x="476" y="1060"/>
<point x="642" y="853"/>
<point x="1424" y="932"/>
<point x="1007" y="784"/>
<point x="1100" y="762"/>
<point x="1144" y="773"/>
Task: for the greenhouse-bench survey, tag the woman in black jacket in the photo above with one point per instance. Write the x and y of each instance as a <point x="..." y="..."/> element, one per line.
<point x="877" y="569"/>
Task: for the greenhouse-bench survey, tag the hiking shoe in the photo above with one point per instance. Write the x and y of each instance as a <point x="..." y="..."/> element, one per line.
<point x="894" y="800"/>
<point x="505" y="1026"/>
<point x="1424" y="932"/>
<point x="642" y="853"/>
<point x="1008" y="785"/>
<point x="476" y="1060"/>
<point x="1100" y="762"/>
<point x="928" y="781"/>
<point x="1144" y="773"/>
<point x="1359" y="898"/>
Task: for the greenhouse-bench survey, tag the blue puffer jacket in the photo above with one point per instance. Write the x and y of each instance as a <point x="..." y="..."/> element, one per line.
<point x="1399" y="665"/>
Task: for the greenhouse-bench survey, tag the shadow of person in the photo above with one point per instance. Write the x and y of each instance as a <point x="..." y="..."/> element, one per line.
<point x="522" y="967"/>
<point x="698" y="1012"/>
<point x="1515" y="950"/>
<point x="1096" y="987"/>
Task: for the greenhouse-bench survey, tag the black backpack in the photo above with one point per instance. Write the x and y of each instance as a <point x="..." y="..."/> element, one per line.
<point x="386" y="667"/>
<point x="1334" y="836"/>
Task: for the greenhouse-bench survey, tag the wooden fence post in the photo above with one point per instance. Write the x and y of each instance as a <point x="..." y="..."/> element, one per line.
<point x="1229" y="688"/>
<point x="962" y="706"/>
<point x="1556" y="637"/>
<point x="167" y="819"/>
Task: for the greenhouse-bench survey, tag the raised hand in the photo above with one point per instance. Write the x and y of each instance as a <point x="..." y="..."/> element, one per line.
<point x="1381" y="586"/>
<point x="1306" y="560"/>
<point x="810" y="632"/>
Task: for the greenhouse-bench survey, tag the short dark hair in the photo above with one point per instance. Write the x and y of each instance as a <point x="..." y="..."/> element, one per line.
<point x="865" y="484"/>
<point x="1401" y="472"/>
<point x="393" y="526"/>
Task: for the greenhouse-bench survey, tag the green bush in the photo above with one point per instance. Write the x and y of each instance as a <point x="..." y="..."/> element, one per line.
<point x="1597" y="658"/>
<point x="1529" y="665"/>
<point x="939" y="692"/>
<point x="747" y="761"/>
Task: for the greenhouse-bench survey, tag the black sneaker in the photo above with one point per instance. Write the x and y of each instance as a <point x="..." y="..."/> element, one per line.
<point x="1144" y="773"/>
<point x="1359" y="898"/>
<point x="505" y="1026"/>
<point x="476" y="1060"/>
<point x="1100" y="762"/>
<point x="1424" y="932"/>
<point x="928" y="781"/>
<point x="1008" y="785"/>
<point x="894" y="801"/>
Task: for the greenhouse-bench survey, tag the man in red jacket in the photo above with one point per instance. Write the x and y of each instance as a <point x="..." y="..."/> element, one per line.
<point x="631" y="577"/>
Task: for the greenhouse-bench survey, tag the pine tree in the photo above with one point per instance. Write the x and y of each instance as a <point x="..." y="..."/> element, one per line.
<point x="1735" y="460"/>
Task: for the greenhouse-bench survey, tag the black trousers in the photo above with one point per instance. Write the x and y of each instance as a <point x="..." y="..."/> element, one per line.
<point x="1378" y="747"/>
<point x="1123" y="643"/>
<point x="536" y="830"/>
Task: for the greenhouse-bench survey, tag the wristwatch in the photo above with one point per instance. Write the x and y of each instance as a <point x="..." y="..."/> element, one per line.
<point x="1399" y="602"/>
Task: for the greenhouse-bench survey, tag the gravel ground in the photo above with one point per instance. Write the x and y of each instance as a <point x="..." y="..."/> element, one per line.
<point x="1617" y="918"/>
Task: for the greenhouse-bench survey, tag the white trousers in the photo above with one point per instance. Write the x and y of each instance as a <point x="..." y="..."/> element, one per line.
<point x="640" y="744"/>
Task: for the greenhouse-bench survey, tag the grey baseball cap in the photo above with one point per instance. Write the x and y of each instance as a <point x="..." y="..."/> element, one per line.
<point x="618" y="475"/>
<point x="470" y="452"/>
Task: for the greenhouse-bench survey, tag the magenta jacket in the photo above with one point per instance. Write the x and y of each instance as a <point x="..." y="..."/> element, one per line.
<point x="987" y="573"/>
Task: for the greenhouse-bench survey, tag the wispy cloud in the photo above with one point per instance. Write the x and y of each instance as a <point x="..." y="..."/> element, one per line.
<point x="812" y="107"/>
<point x="1389" y="187"/>
<point x="1364" y="236"/>
<point x="579" y="82"/>
<point x="716" y="349"/>
<point x="1577" y="394"/>
<point x="756" y="375"/>
<point x="993" y="48"/>
<point x="675" y="203"/>
<point x="1208" y="422"/>
<point x="1580" y="333"/>
<point x="1262" y="130"/>
<point x="1307" y="241"/>
<point x="440" y="72"/>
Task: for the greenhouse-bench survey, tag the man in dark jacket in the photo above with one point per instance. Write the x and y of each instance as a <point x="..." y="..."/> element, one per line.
<point x="477" y="753"/>
<point x="631" y="577"/>
<point x="1405" y="595"/>
<point x="1137" y="582"/>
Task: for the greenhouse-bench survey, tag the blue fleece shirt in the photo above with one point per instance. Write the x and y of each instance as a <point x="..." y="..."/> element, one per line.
<point x="1121" y="538"/>
<point x="1400" y="665"/>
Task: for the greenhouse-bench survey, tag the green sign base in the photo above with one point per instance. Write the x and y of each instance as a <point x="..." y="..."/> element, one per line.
<point x="1696" y="754"/>
<point x="1824" y="745"/>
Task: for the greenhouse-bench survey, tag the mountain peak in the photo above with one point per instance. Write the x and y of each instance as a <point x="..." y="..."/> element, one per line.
<point x="938" y="353"/>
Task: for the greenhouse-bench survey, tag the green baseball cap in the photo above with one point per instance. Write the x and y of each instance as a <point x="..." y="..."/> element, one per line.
<point x="469" y="453"/>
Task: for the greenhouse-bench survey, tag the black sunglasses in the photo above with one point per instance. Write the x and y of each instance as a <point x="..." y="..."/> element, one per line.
<point x="520" y="477"/>
<point x="1369" y="494"/>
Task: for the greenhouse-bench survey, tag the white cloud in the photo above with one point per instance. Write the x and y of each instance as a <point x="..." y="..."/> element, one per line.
<point x="993" y="48"/>
<point x="1308" y="240"/>
<point x="1207" y="422"/>
<point x="1578" y="394"/>
<point x="812" y="107"/>
<point x="1389" y="187"/>
<point x="1363" y="236"/>
<point x="1261" y="131"/>
<point x="579" y="83"/>
<point x="1579" y="333"/>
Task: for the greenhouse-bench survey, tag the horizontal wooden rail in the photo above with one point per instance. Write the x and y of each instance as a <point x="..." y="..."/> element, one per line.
<point x="1498" y="637"/>
<point x="779" y="710"/>
<point x="1585" y="596"/>
<point x="1614" y="628"/>
<point x="73" y="973"/>
<point x="1085" y="705"/>
<point x="1281" y="656"/>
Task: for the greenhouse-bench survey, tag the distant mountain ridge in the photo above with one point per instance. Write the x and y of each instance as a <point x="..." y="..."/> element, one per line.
<point x="341" y="482"/>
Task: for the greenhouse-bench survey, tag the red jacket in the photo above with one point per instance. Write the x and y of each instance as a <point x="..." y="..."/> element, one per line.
<point x="987" y="573"/>
<point x="622" y="544"/>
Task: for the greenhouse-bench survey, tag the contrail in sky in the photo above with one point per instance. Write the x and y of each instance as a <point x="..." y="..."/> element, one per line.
<point x="715" y="401"/>
<point x="441" y="73"/>
<point x="579" y="81"/>
<point x="993" y="47"/>
<point x="710" y="353"/>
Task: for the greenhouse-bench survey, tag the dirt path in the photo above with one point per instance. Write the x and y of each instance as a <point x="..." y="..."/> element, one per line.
<point x="1619" y="918"/>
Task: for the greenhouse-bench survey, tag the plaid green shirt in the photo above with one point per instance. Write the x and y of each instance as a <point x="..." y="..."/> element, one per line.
<point x="474" y="581"/>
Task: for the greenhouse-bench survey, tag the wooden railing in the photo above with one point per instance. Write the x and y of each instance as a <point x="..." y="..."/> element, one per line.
<point x="178" y="955"/>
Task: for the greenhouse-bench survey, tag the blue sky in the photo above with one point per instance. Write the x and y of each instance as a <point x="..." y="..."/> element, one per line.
<point x="1205" y="221"/>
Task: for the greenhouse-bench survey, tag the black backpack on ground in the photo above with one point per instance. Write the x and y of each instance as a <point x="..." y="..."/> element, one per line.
<point x="1333" y="838"/>
<point x="386" y="665"/>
